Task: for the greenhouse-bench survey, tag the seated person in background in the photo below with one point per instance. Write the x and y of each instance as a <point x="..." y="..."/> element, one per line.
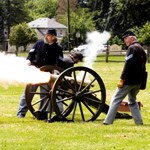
<point x="72" y="59"/>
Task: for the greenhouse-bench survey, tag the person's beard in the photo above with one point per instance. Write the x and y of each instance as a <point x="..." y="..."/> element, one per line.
<point x="46" y="42"/>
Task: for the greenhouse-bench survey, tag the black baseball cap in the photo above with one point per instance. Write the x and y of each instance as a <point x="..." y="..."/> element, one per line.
<point x="127" y="33"/>
<point x="52" y="32"/>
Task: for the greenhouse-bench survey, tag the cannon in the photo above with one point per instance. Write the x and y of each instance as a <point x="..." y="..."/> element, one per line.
<point x="77" y="93"/>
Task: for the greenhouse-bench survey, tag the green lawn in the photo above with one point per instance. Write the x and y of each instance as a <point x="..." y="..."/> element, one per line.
<point x="32" y="134"/>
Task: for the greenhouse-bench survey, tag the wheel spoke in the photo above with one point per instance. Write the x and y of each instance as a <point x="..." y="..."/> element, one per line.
<point x="91" y="92"/>
<point x="93" y="101"/>
<point x="96" y="100"/>
<point x="46" y="89"/>
<point x="38" y="93"/>
<point x="68" y="109"/>
<point x="39" y="100"/>
<point x="81" y="111"/>
<point x="87" y="86"/>
<point x="60" y="100"/>
<point x="64" y="91"/>
<point x="63" y="103"/>
<point x="65" y="99"/>
<point x="74" y="110"/>
<point x="88" y="107"/>
<point x="81" y="84"/>
<point x="75" y="80"/>
<point x="45" y="105"/>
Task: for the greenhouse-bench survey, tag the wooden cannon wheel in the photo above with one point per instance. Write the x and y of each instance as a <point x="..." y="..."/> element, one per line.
<point x="38" y="96"/>
<point x="82" y="97"/>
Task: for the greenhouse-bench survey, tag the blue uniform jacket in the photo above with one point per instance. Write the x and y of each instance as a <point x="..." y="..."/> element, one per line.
<point x="134" y="65"/>
<point x="44" y="54"/>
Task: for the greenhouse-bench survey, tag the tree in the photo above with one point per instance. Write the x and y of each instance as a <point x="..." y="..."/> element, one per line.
<point x="119" y="15"/>
<point x="81" y="20"/>
<point x="42" y="8"/>
<point x="1" y="24"/>
<point x="143" y="33"/>
<point x="100" y="12"/>
<point x="127" y="14"/>
<point x="22" y="35"/>
<point x="14" y="13"/>
<point x="63" y="7"/>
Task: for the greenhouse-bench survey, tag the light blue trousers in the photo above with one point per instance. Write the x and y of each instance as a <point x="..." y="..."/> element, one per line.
<point x="119" y="95"/>
<point x="22" y="109"/>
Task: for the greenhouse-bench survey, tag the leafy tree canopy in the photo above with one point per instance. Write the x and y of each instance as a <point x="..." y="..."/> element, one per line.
<point x="14" y="12"/>
<point x="41" y="8"/>
<point x="143" y="33"/>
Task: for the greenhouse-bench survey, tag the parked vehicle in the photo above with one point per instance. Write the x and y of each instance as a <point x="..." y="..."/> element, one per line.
<point x="82" y="48"/>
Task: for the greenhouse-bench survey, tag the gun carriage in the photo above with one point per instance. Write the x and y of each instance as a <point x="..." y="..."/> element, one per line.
<point x="77" y="93"/>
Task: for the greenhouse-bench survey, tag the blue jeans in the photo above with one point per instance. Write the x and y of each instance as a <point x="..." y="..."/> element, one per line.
<point x="23" y="108"/>
<point x="119" y="95"/>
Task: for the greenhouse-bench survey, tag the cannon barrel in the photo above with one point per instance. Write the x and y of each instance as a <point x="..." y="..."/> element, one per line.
<point x="53" y="77"/>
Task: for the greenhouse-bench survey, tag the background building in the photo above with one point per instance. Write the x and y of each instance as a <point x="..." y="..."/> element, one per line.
<point x="42" y="24"/>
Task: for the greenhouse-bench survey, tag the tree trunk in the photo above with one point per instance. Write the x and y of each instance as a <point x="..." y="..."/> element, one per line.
<point x="16" y="52"/>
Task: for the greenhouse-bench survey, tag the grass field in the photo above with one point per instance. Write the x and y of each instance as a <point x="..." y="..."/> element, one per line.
<point x="32" y="134"/>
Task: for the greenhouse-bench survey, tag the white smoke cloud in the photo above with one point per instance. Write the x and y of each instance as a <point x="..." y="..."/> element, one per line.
<point x="95" y="41"/>
<point x="14" y="70"/>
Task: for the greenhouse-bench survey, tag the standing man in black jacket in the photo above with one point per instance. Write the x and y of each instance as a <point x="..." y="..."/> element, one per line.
<point x="44" y="52"/>
<point x="130" y="80"/>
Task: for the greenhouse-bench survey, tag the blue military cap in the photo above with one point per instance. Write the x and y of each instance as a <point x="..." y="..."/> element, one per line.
<point x="52" y="32"/>
<point x="127" y="33"/>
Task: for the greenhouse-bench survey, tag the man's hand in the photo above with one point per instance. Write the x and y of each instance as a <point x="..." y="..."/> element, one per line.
<point x="120" y="83"/>
<point x="28" y="62"/>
